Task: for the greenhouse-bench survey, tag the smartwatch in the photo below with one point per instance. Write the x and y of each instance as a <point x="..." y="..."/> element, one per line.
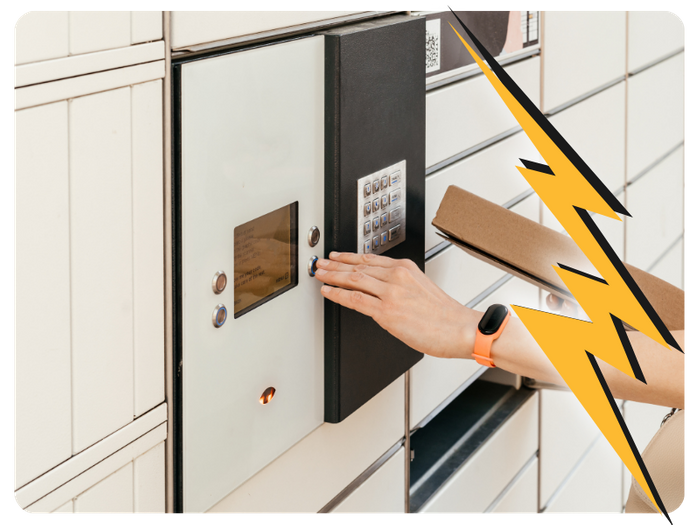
<point x="490" y="328"/>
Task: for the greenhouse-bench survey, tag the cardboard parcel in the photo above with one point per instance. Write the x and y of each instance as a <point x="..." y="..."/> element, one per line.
<point x="529" y="250"/>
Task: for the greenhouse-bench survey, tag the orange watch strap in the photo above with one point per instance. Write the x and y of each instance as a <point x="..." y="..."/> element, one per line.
<point x="483" y="342"/>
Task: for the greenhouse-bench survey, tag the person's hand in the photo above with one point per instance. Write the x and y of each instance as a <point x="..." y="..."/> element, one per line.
<point x="557" y="304"/>
<point x="402" y="300"/>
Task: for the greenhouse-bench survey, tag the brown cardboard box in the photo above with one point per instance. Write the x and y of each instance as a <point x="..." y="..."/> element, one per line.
<point x="528" y="250"/>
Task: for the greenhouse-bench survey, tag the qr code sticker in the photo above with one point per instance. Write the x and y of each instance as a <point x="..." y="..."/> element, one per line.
<point x="432" y="45"/>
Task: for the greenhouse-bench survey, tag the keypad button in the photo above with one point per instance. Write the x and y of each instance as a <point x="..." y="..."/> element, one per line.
<point x="394" y="232"/>
<point x="384" y="237"/>
<point x="375" y="205"/>
<point x="375" y="224"/>
<point x="368" y="228"/>
<point x="383" y="219"/>
<point x="395" y="178"/>
<point x="385" y="201"/>
<point x="375" y="186"/>
<point x="368" y="208"/>
<point x="395" y="214"/>
<point x="384" y="182"/>
<point x="375" y="242"/>
<point x="368" y="189"/>
<point x="394" y="196"/>
<point x="368" y="246"/>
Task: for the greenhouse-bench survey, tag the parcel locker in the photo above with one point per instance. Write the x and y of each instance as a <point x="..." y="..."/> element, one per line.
<point x="279" y="149"/>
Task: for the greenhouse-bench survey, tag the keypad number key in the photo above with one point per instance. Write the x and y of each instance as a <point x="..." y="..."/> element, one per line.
<point x="368" y="208"/>
<point x="368" y="228"/>
<point x="385" y="201"/>
<point x="368" y="189"/>
<point x="375" y="224"/>
<point x="375" y="186"/>
<point x="367" y="246"/>
<point x="375" y="242"/>
<point x="384" y="182"/>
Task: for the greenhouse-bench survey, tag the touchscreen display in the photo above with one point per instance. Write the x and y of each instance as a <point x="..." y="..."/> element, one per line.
<point x="264" y="258"/>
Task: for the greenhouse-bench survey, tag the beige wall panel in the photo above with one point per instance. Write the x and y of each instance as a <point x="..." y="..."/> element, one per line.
<point x="149" y="480"/>
<point x="491" y="173"/>
<point x="66" y="507"/>
<point x="112" y="494"/>
<point x="522" y="496"/>
<point x="464" y="114"/>
<point x="656" y="204"/>
<point x="41" y="35"/>
<point x="43" y="344"/>
<point x="147" y="194"/>
<point x="324" y="462"/>
<point x="482" y="478"/>
<point x="146" y="26"/>
<point x="566" y="433"/>
<point x="655" y="106"/>
<point x="383" y="491"/>
<point x="652" y="35"/>
<point x="595" y="485"/>
<point x="575" y="44"/>
<point x="101" y="265"/>
<point x="98" y="30"/>
<point x="595" y="128"/>
<point x="197" y="27"/>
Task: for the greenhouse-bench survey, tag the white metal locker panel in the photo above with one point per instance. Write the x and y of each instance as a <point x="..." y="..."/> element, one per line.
<point x="146" y="26"/>
<point x="101" y="265"/>
<point x="383" y="491"/>
<point x="491" y="173"/>
<point x="614" y="231"/>
<point x="266" y="135"/>
<point x="656" y="204"/>
<point x="113" y="494"/>
<point x="41" y="35"/>
<point x="464" y="114"/>
<point x="324" y="462"/>
<point x="98" y="30"/>
<point x="484" y="476"/>
<point x="42" y="355"/>
<point x="595" y="128"/>
<point x="582" y="51"/>
<point x="197" y="27"/>
<point x="670" y="268"/>
<point x="566" y="432"/>
<point x="653" y="35"/>
<point x="522" y="496"/>
<point x="433" y="380"/>
<point x="656" y="113"/>
<point x="461" y="275"/>
<point x="147" y="194"/>
<point x="594" y="486"/>
<point x="66" y="507"/>
<point x="149" y="480"/>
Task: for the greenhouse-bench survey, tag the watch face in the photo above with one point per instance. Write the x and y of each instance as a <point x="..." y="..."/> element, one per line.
<point x="492" y="319"/>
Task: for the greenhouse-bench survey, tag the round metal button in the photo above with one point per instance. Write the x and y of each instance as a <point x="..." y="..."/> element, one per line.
<point x="219" y="315"/>
<point x="218" y="283"/>
<point x="314" y="236"/>
<point x="312" y="265"/>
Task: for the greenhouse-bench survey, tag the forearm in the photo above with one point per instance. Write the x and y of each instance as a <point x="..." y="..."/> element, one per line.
<point x="517" y="352"/>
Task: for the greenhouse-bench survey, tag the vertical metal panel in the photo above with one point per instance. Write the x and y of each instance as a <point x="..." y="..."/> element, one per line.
<point x="147" y="194"/>
<point x="113" y="494"/>
<point x="595" y="128"/>
<point x="467" y="113"/>
<point x="41" y="35"/>
<point x="582" y="51"/>
<point x="98" y="30"/>
<point x="101" y="265"/>
<point x="656" y="204"/>
<point x="42" y="359"/>
<point x="652" y="35"/>
<point x="149" y="480"/>
<point x="146" y="26"/>
<point x="655" y="113"/>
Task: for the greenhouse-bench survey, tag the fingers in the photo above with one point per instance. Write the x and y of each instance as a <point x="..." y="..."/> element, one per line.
<point x="352" y="280"/>
<point x="353" y="299"/>
<point x="369" y="259"/>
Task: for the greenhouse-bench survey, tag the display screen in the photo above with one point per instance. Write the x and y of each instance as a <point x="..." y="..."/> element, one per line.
<point x="264" y="258"/>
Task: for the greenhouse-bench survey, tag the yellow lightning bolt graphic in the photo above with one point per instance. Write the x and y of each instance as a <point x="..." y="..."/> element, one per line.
<point x="571" y="344"/>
